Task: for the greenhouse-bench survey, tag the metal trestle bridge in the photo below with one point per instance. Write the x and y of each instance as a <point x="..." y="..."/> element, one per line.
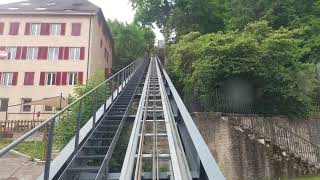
<point x="163" y="141"/>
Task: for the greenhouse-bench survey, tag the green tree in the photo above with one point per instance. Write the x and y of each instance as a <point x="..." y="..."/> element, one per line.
<point x="266" y="61"/>
<point x="66" y="125"/>
<point x="180" y="16"/>
<point x="130" y="41"/>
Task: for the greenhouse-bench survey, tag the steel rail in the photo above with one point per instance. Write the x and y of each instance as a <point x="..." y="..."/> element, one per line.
<point x="128" y="163"/>
<point x="114" y="141"/>
<point x="209" y="164"/>
<point x="179" y="163"/>
<point x="52" y="118"/>
<point x="155" y="158"/>
<point x="141" y="142"/>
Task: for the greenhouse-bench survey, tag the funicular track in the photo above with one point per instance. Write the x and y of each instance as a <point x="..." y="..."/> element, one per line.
<point x="159" y="149"/>
<point x="91" y="159"/>
<point x="164" y="142"/>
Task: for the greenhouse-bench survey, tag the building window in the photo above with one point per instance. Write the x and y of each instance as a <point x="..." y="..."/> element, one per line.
<point x="55" y="29"/>
<point x="14" y="29"/>
<point x="35" y="29"/>
<point x="76" y="29"/>
<point x="72" y="78"/>
<point x="53" y="53"/>
<point x="74" y="53"/>
<point x="101" y="43"/>
<point x="1" y="28"/>
<point x="32" y="53"/>
<point x="4" y="104"/>
<point x="48" y="108"/>
<point x="28" y="78"/>
<point x="7" y="78"/>
<point x="50" y="79"/>
<point x="11" y="53"/>
<point x="25" y="108"/>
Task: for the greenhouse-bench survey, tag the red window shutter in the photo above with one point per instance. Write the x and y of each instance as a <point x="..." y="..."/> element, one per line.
<point x="24" y="53"/>
<point x="64" y="78"/>
<point x="61" y="53"/>
<point x="14" y="78"/>
<point x="42" y="78"/>
<point x="76" y="29"/>
<point x="40" y="49"/>
<point x="82" y="52"/>
<point x="80" y="77"/>
<point x="58" y="79"/>
<point x="43" y="29"/>
<point x="63" y="29"/>
<point x="14" y="29"/>
<point x="2" y="48"/>
<point x="27" y="29"/>
<point x="1" y="28"/>
<point x="18" y="53"/>
<point x="66" y="53"/>
<point x="44" y="53"/>
<point x="28" y="78"/>
<point x="47" y="25"/>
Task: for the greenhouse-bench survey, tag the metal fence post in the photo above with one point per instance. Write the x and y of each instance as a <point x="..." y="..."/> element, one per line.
<point x="125" y="76"/>
<point x="76" y="145"/>
<point x="94" y="109"/>
<point x="105" y="100"/>
<point x="122" y="79"/>
<point x="48" y="151"/>
<point x="118" y="84"/>
<point x="130" y="72"/>
<point x="112" y="87"/>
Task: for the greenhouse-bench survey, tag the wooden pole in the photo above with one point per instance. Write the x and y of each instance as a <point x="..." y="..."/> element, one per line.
<point x="6" y="120"/>
<point x="34" y="112"/>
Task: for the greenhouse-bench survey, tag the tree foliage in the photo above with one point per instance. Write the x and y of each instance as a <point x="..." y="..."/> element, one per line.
<point x="66" y="124"/>
<point x="265" y="60"/>
<point x="130" y="42"/>
<point x="269" y="46"/>
<point x="183" y="16"/>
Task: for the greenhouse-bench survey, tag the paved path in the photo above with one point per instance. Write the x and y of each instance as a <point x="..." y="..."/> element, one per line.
<point x="14" y="167"/>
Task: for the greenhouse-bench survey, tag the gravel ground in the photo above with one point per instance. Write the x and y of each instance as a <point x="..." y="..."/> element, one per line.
<point x="16" y="167"/>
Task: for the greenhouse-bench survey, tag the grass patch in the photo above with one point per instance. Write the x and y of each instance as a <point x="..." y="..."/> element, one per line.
<point x="121" y="148"/>
<point x="303" y="178"/>
<point x="35" y="149"/>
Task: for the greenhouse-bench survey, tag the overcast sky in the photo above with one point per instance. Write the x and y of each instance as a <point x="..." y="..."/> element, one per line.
<point x="112" y="9"/>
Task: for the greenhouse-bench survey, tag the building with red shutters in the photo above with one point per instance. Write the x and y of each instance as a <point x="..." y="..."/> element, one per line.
<point x="46" y="47"/>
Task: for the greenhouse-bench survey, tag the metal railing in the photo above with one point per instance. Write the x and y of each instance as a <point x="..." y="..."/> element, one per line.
<point x="280" y="136"/>
<point x="197" y="151"/>
<point x="217" y="100"/>
<point x="97" y="97"/>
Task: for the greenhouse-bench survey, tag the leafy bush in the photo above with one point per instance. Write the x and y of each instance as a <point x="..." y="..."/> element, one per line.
<point x="66" y="125"/>
<point x="265" y="60"/>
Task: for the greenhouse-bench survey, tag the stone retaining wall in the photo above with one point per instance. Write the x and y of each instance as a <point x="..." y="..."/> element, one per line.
<point x="242" y="158"/>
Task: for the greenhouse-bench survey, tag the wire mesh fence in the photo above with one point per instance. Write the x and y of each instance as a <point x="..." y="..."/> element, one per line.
<point x="218" y="101"/>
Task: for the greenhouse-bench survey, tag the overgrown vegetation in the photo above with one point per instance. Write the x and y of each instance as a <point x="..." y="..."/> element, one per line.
<point x="264" y="51"/>
<point x="66" y="125"/>
<point x="131" y="41"/>
<point x="34" y="149"/>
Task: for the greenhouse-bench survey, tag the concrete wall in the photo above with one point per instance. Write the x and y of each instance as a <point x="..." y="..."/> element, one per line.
<point x="243" y="158"/>
<point x="98" y="60"/>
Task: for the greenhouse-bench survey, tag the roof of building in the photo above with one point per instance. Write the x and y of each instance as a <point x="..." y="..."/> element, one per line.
<point x="72" y="7"/>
